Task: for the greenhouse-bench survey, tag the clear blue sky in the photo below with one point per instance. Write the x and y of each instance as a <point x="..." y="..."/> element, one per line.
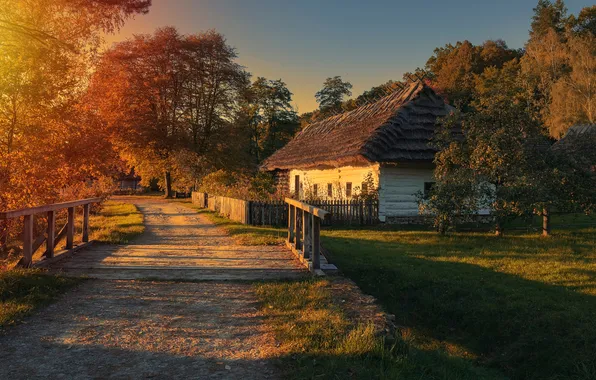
<point x="366" y="42"/>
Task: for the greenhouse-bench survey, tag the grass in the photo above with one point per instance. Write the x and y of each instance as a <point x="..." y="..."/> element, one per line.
<point x="468" y="305"/>
<point x="318" y="341"/>
<point x="116" y="223"/>
<point x="522" y="304"/>
<point x="23" y="291"/>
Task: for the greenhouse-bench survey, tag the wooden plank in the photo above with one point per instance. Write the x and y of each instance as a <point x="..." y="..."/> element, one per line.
<point x="86" y="223"/>
<point x="305" y="206"/>
<point x="306" y="233"/>
<point x="27" y="241"/>
<point x="291" y="223"/>
<point x="46" y="208"/>
<point x="297" y="235"/>
<point x="61" y="234"/>
<point x="38" y="242"/>
<point x="70" y="228"/>
<point x="51" y="234"/>
<point x="316" y="243"/>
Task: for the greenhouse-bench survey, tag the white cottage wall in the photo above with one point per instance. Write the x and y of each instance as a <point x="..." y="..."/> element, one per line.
<point x="338" y="178"/>
<point x="398" y="188"/>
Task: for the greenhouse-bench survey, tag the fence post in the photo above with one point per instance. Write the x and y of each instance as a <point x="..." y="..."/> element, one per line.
<point x="298" y="230"/>
<point x="28" y="241"/>
<point x="306" y="233"/>
<point x="316" y="243"/>
<point x="291" y="223"/>
<point x="86" y="223"/>
<point x="51" y="234"/>
<point x="70" y="228"/>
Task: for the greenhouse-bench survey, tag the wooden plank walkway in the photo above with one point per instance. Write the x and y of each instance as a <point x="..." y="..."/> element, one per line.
<point x="181" y="244"/>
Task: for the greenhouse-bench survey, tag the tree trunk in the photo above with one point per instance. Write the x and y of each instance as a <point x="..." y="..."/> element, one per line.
<point x="168" y="185"/>
<point x="545" y="222"/>
<point x="499" y="229"/>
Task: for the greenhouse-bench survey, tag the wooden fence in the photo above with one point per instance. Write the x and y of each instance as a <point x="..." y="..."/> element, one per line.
<point x="234" y="209"/>
<point x="352" y="212"/>
<point x="275" y="213"/>
<point x="200" y="199"/>
<point x="32" y="244"/>
<point x="304" y="232"/>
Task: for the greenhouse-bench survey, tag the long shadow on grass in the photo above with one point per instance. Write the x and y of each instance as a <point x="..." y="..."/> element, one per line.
<point x="527" y="329"/>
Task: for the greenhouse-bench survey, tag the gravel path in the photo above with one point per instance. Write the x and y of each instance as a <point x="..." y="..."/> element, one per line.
<point x="131" y="329"/>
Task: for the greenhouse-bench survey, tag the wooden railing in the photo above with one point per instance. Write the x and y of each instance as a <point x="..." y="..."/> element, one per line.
<point x="304" y="231"/>
<point x="31" y="244"/>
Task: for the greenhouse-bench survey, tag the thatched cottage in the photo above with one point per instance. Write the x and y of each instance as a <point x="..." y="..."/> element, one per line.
<point x="386" y="141"/>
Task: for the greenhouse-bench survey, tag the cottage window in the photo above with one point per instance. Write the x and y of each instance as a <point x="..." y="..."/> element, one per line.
<point x="364" y="189"/>
<point x="348" y="189"/>
<point x="428" y="186"/>
<point x="315" y="190"/>
<point x="330" y="190"/>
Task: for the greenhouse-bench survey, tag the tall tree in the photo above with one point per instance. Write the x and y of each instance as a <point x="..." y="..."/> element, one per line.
<point x="547" y="16"/>
<point x="331" y="96"/>
<point x="273" y="120"/>
<point x="46" y="48"/>
<point x="452" y="68"/>
<point x="168" y="101"/>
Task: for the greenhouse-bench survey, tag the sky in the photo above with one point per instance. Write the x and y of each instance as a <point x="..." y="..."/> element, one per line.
<point x="365" y="42"/>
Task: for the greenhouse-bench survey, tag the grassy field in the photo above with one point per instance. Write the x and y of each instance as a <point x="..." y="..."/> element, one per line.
<point x="468" y="305"/>
<point x="521" y="304"/>
<point x="116" y="223"/>
<point x="318" y="341"/>
<point x="23" y="291"/>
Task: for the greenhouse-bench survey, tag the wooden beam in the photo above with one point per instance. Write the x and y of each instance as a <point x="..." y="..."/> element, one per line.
<point x="310" y="209"/>
<point x="38" y="242"/>
<point x="46" y="208"/>
<point x="70" y="228"/>
<point x="298" y="234"/>
<point x="51" y="234"/>
<point x="316" y="243"/>
<point x="306" y="234"/>
<point x="86" y="223"/>
<point x="28" y="241"/>
<point x="291" y="223"/>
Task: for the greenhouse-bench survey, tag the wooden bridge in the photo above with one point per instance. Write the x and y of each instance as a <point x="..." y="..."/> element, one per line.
<point x="178" y="244"/>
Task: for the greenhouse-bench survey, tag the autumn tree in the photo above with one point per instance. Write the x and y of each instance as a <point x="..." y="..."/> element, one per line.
<point x="48" y="149"/>
<point x="452" y="68"/>
<point x="558" y="66"/>
<point x="169" y="101"/>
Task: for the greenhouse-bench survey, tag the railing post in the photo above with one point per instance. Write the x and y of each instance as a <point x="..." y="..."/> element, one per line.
<point x="70" y="228"/>
<point x="86" y="223"/>
<point x="298" y="231"/>
<point x="306" y="233"/>
<point x="291" y="222"/>
<point x="28" y="241"/>
<point x="51" y="234"/>
<point x="316" y="243"/>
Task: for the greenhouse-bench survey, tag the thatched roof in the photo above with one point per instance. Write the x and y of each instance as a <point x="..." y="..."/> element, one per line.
<point x="576" y="137"/>
<point x="396" y="128"/>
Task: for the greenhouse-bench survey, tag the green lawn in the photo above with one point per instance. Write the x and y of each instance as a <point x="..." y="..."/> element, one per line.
<point x="522" y="304"/>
